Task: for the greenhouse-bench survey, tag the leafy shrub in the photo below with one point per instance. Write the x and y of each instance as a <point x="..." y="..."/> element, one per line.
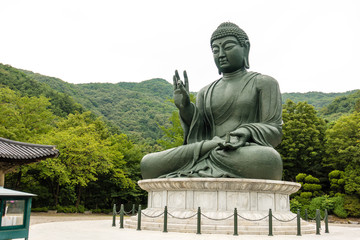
<point x="96" y="210"/>
<point x="339" y="209"/>
<point x="106" y="211"/>
<point x="352" y="205"/>
<point x="311" y="187"/>
<point x="59" y="209"/>
<point x="68" y="209"/>
<point x="331" y="204"/>
<point x="81" y="209"/>
<point x="306" y="195"/>
<point x="300" y="177"/>
<point x="40" y="209"/>
<point x="337" y="181"/>
<point x="295" y="205"/>
<point x="311" y="179"/>
<point x="316" y="203"/>
<point x="335" y="174"/>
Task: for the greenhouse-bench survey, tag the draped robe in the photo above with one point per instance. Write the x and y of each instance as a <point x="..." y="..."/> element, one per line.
<point x="255" y="104"/>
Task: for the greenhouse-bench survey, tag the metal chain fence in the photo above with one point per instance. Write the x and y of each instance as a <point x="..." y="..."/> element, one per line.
<point x="235" y="215"/>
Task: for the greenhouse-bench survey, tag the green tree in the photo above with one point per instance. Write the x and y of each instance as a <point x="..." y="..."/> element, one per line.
<point x="173" y="136"/>
<point x="343" y="143"/>
<point x="310" y="186"/>
<point x="85" y="152"/>
<point x="343" y="155"/>
<point x="24" y="118"/>
<point x="337" y="182"/>
<point x="302" y="146"/>
<point x="110" y="186"/>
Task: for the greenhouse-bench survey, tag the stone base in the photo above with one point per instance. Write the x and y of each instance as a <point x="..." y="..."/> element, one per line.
<point x="217" y="198"/>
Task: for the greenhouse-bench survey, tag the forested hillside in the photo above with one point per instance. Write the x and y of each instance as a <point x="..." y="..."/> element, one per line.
<point x="61" y="104"/>
<point x="136" y="109"/>
<point x="330" y="106"/>
<point x="317" y="99"/>
<point x="342" y="105"/>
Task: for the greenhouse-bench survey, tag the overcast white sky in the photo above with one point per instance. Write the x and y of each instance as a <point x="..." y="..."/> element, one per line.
<point x="307" y="45"/>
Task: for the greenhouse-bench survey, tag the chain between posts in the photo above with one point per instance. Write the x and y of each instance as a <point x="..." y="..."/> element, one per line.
<point x="253" y="220"/>
<point x="184" y="218"/>
<point x="217" y="219"/>
<point x="235" y="215"/>
<point x="285" y="220"/>
<point x="133" y="212"/>
<point x="152" y="216"/>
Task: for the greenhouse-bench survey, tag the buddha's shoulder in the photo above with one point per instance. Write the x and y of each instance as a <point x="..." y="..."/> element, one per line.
<point x="264" y="81"/>
<point x="206" y="88"/>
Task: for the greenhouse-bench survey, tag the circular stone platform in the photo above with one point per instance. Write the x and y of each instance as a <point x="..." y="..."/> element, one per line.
<point x="217" y="198"/>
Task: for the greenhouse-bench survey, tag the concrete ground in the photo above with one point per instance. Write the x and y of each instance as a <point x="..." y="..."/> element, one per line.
<point x="102" y="230"/>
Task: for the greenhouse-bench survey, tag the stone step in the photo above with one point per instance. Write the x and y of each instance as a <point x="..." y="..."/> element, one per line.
<point x="223" y="229"/>
<point x="231" y="231"/>
<point x="230" y="221"/>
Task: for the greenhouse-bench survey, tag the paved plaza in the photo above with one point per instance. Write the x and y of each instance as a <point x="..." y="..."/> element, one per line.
<point x="102" y="230"/>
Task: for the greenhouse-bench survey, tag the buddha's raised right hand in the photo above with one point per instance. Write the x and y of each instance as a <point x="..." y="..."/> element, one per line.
<point x="181" y="91"/>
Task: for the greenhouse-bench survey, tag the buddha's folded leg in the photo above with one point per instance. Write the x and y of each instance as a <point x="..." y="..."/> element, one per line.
<point x="157" y="164"/>
<point x="253" y="161"/>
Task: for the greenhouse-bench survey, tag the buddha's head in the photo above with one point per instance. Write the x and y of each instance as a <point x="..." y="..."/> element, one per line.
<point x="230" y="46"/>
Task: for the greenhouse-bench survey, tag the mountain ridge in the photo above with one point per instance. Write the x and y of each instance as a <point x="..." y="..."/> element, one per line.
<point x="138" y="108"/>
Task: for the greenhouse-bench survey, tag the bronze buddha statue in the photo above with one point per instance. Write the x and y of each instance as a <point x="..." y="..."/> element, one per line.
<point x="235" y="124"/>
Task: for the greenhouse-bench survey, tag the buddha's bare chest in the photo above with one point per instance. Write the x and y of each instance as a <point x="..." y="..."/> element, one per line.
<point x="232" y="100"/>
<point x="222" y="92"/>
<point x="226" y="92"/>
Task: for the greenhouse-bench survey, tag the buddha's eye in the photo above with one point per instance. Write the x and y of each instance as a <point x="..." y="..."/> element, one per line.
<point x="229" y="46"/>
<point x="215" y="50"/>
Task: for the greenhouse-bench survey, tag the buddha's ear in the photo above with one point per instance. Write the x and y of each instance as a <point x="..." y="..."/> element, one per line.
<point x="247" y="50"/>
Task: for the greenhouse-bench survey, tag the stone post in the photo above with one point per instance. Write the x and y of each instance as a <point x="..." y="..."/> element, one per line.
<point x="165" y="219"/>
<point x="114" y="216"/>
<point x="139" y="219"/>
<point x="318" y="224"/>
<point x="326" y="219"/>
<point x="198" y="221"/>
<point x="298" y="218"/>
<point x="235" y="222"/>
<point x="270" y="223"/>
<point x="122" y="216"/>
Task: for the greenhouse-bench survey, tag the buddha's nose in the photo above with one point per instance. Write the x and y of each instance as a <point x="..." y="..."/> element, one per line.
<point x="221" y="52"/>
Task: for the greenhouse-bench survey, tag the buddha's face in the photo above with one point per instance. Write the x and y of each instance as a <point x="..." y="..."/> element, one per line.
<point x="228" y="54"/>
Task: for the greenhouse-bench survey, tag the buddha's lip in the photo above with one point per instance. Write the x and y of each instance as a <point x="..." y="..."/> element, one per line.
<point x="223" y="60"/>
